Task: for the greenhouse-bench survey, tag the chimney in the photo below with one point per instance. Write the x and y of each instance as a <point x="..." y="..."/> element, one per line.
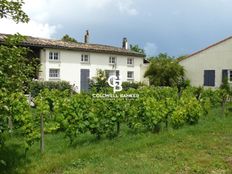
<point x="125" y="43"/>
<point x="87" y="37"/>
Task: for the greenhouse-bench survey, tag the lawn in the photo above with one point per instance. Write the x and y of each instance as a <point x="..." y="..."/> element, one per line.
<point x="203" y="148"/>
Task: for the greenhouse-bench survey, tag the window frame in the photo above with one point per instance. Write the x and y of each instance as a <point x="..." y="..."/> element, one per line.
<point x="133" y="75"/>
<point x="229" y="71"/>
<point x="51" y="56"/>
<point x="54" y="77"/>
<point x="111" y="58"/>
<point x="83" y="58"/>
<point x="130" y="63"/>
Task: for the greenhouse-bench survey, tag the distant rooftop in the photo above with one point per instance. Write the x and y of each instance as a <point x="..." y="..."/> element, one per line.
<point x="59" y="44"/>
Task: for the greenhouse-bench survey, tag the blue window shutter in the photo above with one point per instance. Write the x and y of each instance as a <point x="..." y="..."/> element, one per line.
<point x="209" y="77"/>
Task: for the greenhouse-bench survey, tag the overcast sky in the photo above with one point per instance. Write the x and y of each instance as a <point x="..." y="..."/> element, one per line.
<point x="177" y="27"/>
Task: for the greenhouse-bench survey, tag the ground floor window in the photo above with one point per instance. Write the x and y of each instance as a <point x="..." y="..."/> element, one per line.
<point x="54" y="73"/>
<point x="130" y="75"/>
<point x="209" y="77"/>
<point x="230" y="75"/>
<point x="111" y="73"/>
<point x="227" y="74"/>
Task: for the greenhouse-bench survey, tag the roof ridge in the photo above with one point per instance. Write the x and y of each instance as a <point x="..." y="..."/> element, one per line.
<point x="204" y="49"/>
<point x="55" y="43"/>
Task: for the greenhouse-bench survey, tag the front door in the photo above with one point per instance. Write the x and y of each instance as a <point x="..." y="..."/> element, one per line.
<point x="84" y="79"/>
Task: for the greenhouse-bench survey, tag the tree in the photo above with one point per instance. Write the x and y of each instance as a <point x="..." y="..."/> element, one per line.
<point x="67" y="38"/>
<point x="164" y="71"/>
<point x="137" y="49"/>
<point x="16" y="71"/>
<point x="15" y="74"/>
<point x="13" y="10"/>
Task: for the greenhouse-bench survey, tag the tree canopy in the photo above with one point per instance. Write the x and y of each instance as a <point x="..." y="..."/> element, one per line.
<point x="67" y="38"/>
<point x="164" y="71"/>
<point x="137" y="49"/>
<point x="13" y="10"/>
<point x="16" y="71"/>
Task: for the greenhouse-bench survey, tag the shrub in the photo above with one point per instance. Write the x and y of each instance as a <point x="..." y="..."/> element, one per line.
<point x="37" y="86"/>
<point x="133" y="85"/>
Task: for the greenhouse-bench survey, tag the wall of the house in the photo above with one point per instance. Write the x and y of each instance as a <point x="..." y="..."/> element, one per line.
<point x="215" y="58"/>
<point x="70" y="65"/>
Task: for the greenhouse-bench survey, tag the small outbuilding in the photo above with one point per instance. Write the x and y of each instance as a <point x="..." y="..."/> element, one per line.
<point x="208" y="67"/>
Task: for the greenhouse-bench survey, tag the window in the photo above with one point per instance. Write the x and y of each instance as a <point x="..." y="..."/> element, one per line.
<point x="85" y="58"/>
<point x="111" y="73"/>
<point x="130" y="61"/>
<point x="227" y="74"/>
<point x="54" y="73"/>
<point x="130" y="75"/>
<point x="112" y="60"/>
<point x="230" y="75"/>
<point x="54" y="56"/>
<point x="209" y="77"/>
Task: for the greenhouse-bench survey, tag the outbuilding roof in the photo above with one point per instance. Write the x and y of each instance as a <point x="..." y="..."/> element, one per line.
<point x="213" y="45"/>
<point x="59" y="44"/>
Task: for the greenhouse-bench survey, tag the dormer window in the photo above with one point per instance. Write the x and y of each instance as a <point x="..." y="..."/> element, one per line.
<point x="85" y="58"/>
<point x="112" y="60"/>
<point x="130" y="61"/>
<point x="54" y="56"/>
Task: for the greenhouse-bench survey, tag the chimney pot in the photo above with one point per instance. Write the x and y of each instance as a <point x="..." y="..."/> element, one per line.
<point x="125" y="43"/>
<point x="86" y="40"/>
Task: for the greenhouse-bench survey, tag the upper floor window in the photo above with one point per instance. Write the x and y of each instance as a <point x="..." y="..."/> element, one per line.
<point x="54" y="73"/>
<point x="54" y="56"/>
<point x="112" y="60"/>
<point x="85" y="58"/>
<point x="130" y="75"/>
<point x="130" y="61"/>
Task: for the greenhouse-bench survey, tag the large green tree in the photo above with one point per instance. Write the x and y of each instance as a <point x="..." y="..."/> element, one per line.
<point x="164" y="71"/>
<point x="15" y="74"/>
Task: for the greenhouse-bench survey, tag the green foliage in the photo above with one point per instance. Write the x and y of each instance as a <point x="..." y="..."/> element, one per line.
<point x="99" y="82"/>
<point x="164" y="71"/>
<point x="77" y="116"/>
<point x="137" y="49"/>
<point x="16" y="111"/>
<point x="15" y="70"/>
<point x="225" y="85"/>
<point x="134" y="85"/>
<point x="67" y="38"/>
<point x="15" y="74"/>
<point x="188" y="110"/>
<point x="37" y="86"/>
<point x="13" y="10"/>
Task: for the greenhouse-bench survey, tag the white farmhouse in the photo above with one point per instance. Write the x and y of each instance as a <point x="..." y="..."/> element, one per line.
<point x="208" y="67"/>
<point x="79" y="62"/>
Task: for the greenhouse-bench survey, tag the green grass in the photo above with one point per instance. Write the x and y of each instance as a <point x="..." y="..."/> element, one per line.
<point x="203" y="148"/>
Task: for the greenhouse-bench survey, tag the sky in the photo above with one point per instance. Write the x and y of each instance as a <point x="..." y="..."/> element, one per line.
<point x="175" y="27"/>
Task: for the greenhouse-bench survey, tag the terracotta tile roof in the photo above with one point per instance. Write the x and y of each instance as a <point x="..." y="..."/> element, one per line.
<point x="59" y="44"/>
<point x="213" y="45"/>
